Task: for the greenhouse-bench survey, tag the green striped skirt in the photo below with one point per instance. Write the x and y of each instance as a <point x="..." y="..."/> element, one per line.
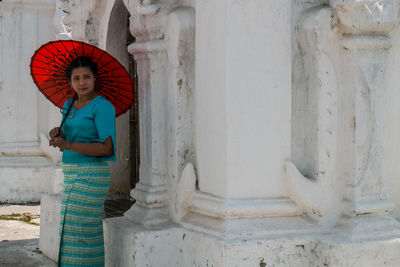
<point x="81" y="226"/>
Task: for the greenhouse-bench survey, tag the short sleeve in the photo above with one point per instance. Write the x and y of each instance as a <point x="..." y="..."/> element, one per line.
<point x="104" y="119"/>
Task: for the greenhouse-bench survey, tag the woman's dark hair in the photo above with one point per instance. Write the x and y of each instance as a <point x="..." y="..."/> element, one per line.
<point x="81" y="62"/>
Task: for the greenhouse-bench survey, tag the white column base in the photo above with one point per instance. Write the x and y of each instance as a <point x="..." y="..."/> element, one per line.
<point x="50" y="208"/>
<point x="148" y="217"/>
<point x="151" y="207"/>
<point x="26" y="178"/>
<point x="361" y="241"/>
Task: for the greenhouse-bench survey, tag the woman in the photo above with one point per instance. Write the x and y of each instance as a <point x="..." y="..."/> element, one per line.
<point x="87" y="139"/>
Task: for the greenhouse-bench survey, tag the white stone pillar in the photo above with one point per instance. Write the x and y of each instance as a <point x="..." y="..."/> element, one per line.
<point x="149" y="50"/>
<point x="243" y="108"/>
<point x="24" y="171"/>
<point x="19" y="98"/>
<point x="243" y="101"/>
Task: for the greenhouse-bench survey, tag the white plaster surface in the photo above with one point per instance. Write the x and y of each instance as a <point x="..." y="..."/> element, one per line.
<point x="253" y="113"/>
<point x="392" y="130"/>
<point x="327" y="113"/>
<point x="19" y="97"/>
<point x="50" y="210"/>
<point x="235" y="102"/>
<point x="129" y="244"/>
<point x="367" y="15"/>
<point x="354" y="241"/>
<point x="25" y="179"/>
<point x="180" y="40"/>
<point x="317" y="187"/>
<point x="181" y="192"/>
<point x="25" y="172"/>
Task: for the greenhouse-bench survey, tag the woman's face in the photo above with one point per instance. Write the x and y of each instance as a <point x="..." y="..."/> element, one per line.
<point x="82" y="81"/>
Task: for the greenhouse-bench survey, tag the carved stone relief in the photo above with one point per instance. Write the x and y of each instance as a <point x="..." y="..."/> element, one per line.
<point x="344" y="49"/>
<point x="180" y="39"/>
<point x="82" y="20"/>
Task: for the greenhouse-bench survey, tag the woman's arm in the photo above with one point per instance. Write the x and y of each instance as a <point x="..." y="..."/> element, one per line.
<point x="97" y="149"/>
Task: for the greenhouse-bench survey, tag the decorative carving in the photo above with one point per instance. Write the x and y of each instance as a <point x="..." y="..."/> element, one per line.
<point x="368" y="16"/>
<point x="64" y="31"/>
<point x="80" y="19"/>
<point x="72" y="18"/>
<point x="344" y="52"/>
<point x="180" y="42"/>
<point x="320" y="193"/>
<point x="181" y="192"/>
<point x="368" y="23"/>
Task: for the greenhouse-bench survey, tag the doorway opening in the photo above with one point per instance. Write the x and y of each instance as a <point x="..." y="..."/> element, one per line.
<point x="125" y="172"/>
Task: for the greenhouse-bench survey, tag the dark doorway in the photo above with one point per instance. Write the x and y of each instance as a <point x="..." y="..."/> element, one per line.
<point x="133" y="117"/>
<point x="126" y="172"/>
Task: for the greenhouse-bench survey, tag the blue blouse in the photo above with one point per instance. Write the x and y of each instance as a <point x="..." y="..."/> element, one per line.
<point x="93" y="123"/>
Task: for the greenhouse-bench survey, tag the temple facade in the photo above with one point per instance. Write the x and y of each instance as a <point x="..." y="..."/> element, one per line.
<point x="266" y="130"/>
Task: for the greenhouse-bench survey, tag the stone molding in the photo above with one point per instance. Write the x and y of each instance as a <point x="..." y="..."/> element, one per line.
<point x="369" y="16"/>
<point x="21" y="148"/>
<point x="150" y="208"/>
<point x="28" y="4"/>
<point x="233" y="218"/>
<point x="378" y="207"/>
<point x="148" y="9"/>
<point x="361" y="41"/>
<point x="150" y="196"/>
<point x="223" y="208"/>
<point x="146" y="47"/>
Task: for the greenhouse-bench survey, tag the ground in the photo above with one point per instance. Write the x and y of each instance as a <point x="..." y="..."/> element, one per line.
<point x="19" y="240"/>
<point x="19" y="233"/>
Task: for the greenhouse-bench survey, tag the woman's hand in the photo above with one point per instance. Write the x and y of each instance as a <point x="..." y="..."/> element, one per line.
<point x="97" y="149"/>
<point x="56" y="131"/>
<point x="59" y="142"/>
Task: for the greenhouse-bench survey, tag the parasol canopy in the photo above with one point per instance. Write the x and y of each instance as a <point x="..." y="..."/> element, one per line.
<point x="48" y="69"/>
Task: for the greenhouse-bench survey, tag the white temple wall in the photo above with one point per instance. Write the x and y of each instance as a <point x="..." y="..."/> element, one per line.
<point x="236" y="101"/>
<point x="336" y="141"/>
<point x="319" y="108"/>
<point x="27" y="164"/>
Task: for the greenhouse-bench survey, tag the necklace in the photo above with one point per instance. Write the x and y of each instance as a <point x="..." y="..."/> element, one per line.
<point x="89" y="100"/>
<point x="73" y="114"/>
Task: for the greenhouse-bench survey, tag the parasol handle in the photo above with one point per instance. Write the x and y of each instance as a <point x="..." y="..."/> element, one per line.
<point x="66" y="115"/>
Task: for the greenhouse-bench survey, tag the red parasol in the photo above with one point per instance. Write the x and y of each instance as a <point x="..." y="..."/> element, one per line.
<point x="48" y="70"/>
